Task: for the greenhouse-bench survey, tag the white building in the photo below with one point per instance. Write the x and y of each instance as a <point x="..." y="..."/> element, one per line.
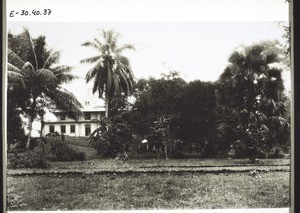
<point x="93" y="110"/>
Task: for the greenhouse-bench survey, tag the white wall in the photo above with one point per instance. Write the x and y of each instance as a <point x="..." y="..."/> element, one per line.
<point x="79" y="128"/>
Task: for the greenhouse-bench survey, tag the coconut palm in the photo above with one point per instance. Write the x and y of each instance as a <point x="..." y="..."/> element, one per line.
<point x="111" y="73"/>
<point x="34" y="73"/>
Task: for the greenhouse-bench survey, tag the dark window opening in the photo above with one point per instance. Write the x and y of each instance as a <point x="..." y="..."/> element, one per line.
<point x="72" y="128"/>
<point x="87" y="130"/>
<point x="51" y="129"/>
<point x="63" y="128"/>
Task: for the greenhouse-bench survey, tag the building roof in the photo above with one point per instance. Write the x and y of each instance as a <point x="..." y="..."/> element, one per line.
<point x="90" y="103"/>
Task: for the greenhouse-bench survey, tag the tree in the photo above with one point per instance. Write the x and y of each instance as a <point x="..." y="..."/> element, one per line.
<point x="111" y="73"/>
<point x="111" y="138"/>
<point x="15" y="133"/>
<point x="154" y="113"/>
<point x="252" y="106"/>
<point x="197" y="116"/>
<point x="156" y="98"/>
<point x="34" y="74"/>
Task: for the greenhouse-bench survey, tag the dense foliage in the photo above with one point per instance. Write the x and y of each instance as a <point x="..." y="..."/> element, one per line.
<point x="245" y="112"/>
<point x="35" y="79"/>
<point x="172" y="115"/>
<point x="252" y="106"/>
<point x="26" y="159"/>
<point x="196" y="123"/>
<point x="60" y="151"/>
<point x="111" y="138"/>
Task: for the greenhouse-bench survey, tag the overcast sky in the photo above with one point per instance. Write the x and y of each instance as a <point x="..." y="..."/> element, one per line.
<point x="198" y="50"/>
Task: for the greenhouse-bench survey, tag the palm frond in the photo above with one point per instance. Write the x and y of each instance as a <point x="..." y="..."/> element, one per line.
<point x="66" y="101"/>
<point x="99" y="82"/>
<point x="11" y="67"/>
<point x="95" y="45"/>
<point x="65" y="78"/>
<point x="27" y="69"/>
<point x="63" y="69"/>
<point x="124" y="47"/>
<point x="63" y="74"/>
<point x="92" y="72"/>
<point x="97" y="42"/>
<point x="91" y="59"/>
<point x="14" y="59"/>
<point x="53" y="58"/>
<point x="31" y="45"/>
<point x="45" y="75"/>
<point x="15" y="77"/>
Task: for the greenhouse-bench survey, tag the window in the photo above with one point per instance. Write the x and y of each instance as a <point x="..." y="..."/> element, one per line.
<point x="51" y="129"/>
<point x="87" y="116"/>
<point x="72" y="128"/>
<point x="63" y="128"/>
<point x="87" y="130"/>
<point x="63" y="117"/>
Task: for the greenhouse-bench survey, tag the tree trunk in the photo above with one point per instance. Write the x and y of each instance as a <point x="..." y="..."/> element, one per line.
<point x="29" y="133"/>
<point x="31" y="119"/>
<point x="166" y="150"/>
<point x="106" y="105"/>
<point x="42" y="126"/>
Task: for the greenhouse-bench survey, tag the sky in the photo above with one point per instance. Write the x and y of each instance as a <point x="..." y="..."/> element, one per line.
<point x="197" y="50"/>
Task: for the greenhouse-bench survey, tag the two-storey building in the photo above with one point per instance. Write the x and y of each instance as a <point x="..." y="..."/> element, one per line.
<point x="84" y="126"/>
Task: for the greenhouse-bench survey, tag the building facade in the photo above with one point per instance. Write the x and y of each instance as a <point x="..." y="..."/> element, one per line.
<point x="84" y="126"/>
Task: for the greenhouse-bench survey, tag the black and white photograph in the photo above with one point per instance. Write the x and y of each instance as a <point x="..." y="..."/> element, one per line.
<point x="156" y="114"/>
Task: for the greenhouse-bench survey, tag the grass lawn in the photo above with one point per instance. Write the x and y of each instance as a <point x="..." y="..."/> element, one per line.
<point x="156" y="163"/>
<point x="163" y="191"/>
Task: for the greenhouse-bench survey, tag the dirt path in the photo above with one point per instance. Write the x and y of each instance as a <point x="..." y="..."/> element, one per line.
<point x="175" y="170"/>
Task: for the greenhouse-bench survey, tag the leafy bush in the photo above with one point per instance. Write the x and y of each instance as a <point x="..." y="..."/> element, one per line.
<point x="275" y="153"/>
<point x="26" y="160"/>
<point x="60" y="151"/>
<point x="34" y="142"/>
<point x="165" y="142"/>
<point x="111" y="138"/>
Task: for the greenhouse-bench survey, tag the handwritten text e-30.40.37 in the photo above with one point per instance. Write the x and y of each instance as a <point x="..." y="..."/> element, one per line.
<point x="43" y="12"/>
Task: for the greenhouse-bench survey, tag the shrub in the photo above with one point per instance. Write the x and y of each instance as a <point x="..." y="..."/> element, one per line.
<point x="34" y="142"/>
<point x="275" y="153"/>
<point x="111" y="138"/>
<point x="60" y="151"/>
<point x="26" y="160"/>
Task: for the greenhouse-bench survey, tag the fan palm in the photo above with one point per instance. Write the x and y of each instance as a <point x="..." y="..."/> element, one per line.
<point x="252" y="102"/>
<point x="112" y="74"/>
<point x="33" y="70"/>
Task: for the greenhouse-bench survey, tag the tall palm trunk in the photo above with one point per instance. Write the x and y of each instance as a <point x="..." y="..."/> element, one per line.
<point x="42" y="126"/>
<point x="106" y="106"/>
<point x="31" y="119"/>
<point x="29" y="133"/>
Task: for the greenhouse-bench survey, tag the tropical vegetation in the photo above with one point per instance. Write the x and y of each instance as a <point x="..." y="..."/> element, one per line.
<point x="245" y="112"/>
<point x="35" y="79"/>
<point x="252" y="106"/>
<point x="111" y="73"/>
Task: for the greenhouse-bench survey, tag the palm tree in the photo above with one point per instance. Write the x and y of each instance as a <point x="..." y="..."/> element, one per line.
<point x="33" y="70"/>
<point x="111" y="73"/>
<point x="251" y="101"/>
